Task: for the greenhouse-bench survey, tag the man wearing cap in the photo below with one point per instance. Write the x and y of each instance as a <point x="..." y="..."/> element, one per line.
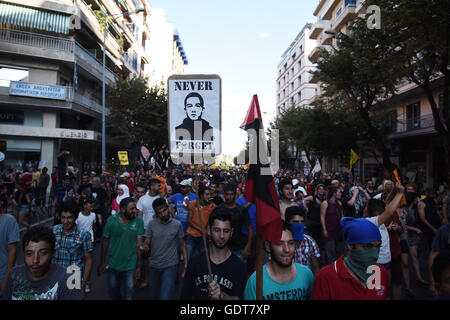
<point x="181" y="201"/>
<point x="356" y="274"/>
<point x="299" y="195"/>
<point x="126" y="180"/>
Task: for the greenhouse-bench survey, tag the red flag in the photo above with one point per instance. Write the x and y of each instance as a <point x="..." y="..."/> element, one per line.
<point x="260" y="188"/>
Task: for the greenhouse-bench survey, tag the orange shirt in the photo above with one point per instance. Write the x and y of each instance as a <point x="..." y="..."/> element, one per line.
<point x="205" y="212"/>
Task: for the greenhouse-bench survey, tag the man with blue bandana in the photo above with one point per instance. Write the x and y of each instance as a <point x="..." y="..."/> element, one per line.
<point x="356" y="274"/>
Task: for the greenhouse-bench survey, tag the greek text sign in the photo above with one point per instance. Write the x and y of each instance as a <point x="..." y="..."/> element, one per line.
<point x="37" y="90"/>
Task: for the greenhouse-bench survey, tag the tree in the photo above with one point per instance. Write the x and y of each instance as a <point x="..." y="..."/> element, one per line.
<point x="139" y="117"/>
<point x="362" y="70"/>
<point x="419" y="30"/>
<point x="321" y="131"/>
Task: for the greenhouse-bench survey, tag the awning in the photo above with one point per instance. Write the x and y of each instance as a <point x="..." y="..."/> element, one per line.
<point x="34" y="18"/>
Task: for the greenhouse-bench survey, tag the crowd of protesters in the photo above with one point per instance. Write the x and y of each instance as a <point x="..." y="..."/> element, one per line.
<point x="151" y="224"/>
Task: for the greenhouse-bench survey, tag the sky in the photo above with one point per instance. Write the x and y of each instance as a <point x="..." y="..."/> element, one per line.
<point x="242" y="41"/>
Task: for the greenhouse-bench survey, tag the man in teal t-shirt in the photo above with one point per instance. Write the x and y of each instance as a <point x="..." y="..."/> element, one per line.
<point x="282" y="278"/>
<point x="124" y="231"/>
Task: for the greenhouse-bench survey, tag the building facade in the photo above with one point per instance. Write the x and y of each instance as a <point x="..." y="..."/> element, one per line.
<point x="414" y="145"/>
<point x="293" y="82"/>
<point x="51" y="75"/>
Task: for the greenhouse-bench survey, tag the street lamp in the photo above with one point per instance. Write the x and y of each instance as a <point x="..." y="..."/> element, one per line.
<point x="105" y="34"/>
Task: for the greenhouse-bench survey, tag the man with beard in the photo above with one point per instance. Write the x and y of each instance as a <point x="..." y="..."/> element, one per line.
<point x="39" y="278"/>
<point x="228" y="271"/>
<point x="161" y="235"/>
<point x="286" y="191"/>
<point x="124" y="231"/>
<point x="283" y="279"/>
<point x="240" y="243"/>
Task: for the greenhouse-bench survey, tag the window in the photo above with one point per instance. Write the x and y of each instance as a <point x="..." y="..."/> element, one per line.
<point x="8" y="74"/>
<point x="294" y="55"/>
<point x="392" y="120"/>
<point x="413" y="116"/>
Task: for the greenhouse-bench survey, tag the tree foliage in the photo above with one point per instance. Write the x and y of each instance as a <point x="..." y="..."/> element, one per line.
<point x="139" y="115"/>
<point x="320" y="131"/>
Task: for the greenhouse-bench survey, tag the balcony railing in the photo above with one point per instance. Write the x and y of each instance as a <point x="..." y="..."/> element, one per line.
<point x="414" y="124"/>
<point x="70" y="46"/>
<point x="36" y="40"/>
<point x="85" y="100"/>
<point x="85" y="55"/>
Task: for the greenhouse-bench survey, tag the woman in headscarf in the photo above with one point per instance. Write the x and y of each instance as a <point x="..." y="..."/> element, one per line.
<point x="122" y="193"/>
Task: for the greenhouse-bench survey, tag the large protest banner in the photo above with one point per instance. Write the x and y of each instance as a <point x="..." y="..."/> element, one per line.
<point x="194" y="115"/>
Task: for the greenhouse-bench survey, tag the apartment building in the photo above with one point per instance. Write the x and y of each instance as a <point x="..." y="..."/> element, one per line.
<point x="294" y="88"/>
<point x="51" y="72"/>
<point x="165" y="50"/>
<point x="293" y="82"/>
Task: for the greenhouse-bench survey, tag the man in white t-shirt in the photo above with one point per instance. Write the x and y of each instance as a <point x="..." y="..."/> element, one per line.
<point x="379" y="213"/>
<point x="86" y="219"/>
<point x="146" y="212"/>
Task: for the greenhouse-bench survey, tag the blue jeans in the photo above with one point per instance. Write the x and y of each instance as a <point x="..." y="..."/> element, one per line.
<point x="162" y="282"/>
<point x="193" y="244"/>
<point x="117" y="279"/>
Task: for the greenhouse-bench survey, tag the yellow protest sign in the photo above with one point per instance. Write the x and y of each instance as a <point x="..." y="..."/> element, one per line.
<point x="123" y="158"/>
<point x="353" y="158"/>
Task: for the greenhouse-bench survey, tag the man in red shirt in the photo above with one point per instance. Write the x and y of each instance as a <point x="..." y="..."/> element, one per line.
<point x="355" y="275"/>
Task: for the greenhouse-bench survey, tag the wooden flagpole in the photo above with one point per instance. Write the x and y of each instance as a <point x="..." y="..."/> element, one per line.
<point x="197" y="183"/>
<point x="259" y="266"/>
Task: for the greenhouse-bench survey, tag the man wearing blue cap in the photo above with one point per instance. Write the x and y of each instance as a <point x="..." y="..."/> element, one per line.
<point x="356" y="274"/>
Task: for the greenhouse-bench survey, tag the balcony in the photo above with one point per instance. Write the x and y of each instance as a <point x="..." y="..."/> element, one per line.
<point x="326" y="39"/>
<point x="413" y="127"/>
<point x="317" y="28"/>
<point x="56" y="48"/>
<point x="66" y="98"/>
<point x="329" y="11"/>
<point x="86" y="100"/>
<point x="314" y="54"/>
<point x="130" y="62"/>
<point x="346" y="14"/>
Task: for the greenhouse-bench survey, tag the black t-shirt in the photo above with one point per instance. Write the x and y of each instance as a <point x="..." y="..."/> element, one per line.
<point x="231" y="275"/>
<point x="239" y="218"/>
<point x="20" y="197"/>
<point x="349" y="210"/>
<point x="100" y="197"/>
<point x="217" y="200"/>
<point x="87" y="188"/>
